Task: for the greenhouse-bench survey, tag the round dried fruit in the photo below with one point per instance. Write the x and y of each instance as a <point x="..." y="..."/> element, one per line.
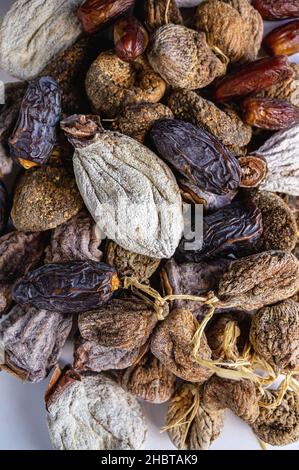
<point x="274" y="334"/>
<point x="112" y="84"/>
<point x="45" y="198"/>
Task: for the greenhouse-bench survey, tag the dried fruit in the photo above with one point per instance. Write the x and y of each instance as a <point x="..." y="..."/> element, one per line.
<point x="34" y="136"/>
<point x="279" y="426"/>
<point x="74" y="286"/>
<point x="283" y="40"/>
<point x="44" y="198"/>
<point x="199" y="158"/>
<point x="149" y="380"/>
<point x="258" y="280"/>
<point x="224" y="125"/>
<point x="223" y="336"/>
<point x="183" y="58"/>
<point x="131" y="194"/>
<point x="33" y="340"/>
<point x="189" y="423"/>
<point x="96" y="14"/>
<point x="231" y="230"/>
<point x="172" y="343"/>
<point x="5" y="297"/>
<point x="277" y="9"/>
<point x="32" y="33"/>
<point x="287" y="90"/>
<point x="76" y="240"/>
<point x="274" y="334"/>
<point x="161" y="12"/>
<point x="240" y="396"/>
<point x="254" y="171"/>
<point x="270" y="113"/>
<point x="279" y="223"/>
<point x="233" y="27"/>
<point x="136" y="120"/>
<point x="254" y="77"/>
<point x="130" y="39"/>
<point x="92" y="412"/>
<point x="140" y="267"/>
<point x="3" y="207"/>
<point x="112" y="84"/>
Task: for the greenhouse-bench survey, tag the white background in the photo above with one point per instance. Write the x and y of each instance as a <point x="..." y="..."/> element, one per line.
<point x="22" y="416"/>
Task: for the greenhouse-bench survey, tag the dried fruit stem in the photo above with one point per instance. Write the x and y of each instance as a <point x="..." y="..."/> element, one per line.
<point x="167" y="11"/>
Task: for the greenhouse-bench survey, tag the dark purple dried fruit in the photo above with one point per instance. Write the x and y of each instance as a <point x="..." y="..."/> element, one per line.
<point x="75" y="286"/>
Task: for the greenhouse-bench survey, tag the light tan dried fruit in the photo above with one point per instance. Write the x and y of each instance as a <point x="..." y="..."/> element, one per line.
<point x="274" y="334"/>
<point x="279" y="426"/>
<point x="112" y="84"/>
<point x="136" y="120"/>
<point x="258" y="280"/>
<point x="225" y="125"/>
<point x="172" y="343"/>
<point x="183" y="58"/>
<point x="254" y="171"/>
<point x="45" y="198"/>
<point x="279" y="223"/>
<point x="287" y="90"/>
<point x="149" y="380"/>
<point x="140" y="267"/>
<point x="76" y="240"/>
<point x="161" y="12"/>
<point x="189" y="423"/>
<point x="240" y="396"/>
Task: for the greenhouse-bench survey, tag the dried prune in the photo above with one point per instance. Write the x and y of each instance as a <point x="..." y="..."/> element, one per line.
<point x="75" y="286"/>
<point x="197" y="156"/>
<point x="34" y="136"/>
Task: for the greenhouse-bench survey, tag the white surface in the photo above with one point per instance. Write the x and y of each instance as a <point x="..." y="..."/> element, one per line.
<point x="22" y="415"/>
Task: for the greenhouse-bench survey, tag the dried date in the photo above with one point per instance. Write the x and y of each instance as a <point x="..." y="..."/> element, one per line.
<point x="96" y="14"/>
<point x="254" y="170"/>
<point x="269" y="113"/>
<point x="130" y="39"/>
<point x="283" y="40"/>
<point x="277" y="9"/>
<point x="287" y="90"/>
<point x="70" y="287"/>
<point x="34" y="136"/>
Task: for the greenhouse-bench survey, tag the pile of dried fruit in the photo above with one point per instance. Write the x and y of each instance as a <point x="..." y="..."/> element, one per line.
<point x="111" y="138"/>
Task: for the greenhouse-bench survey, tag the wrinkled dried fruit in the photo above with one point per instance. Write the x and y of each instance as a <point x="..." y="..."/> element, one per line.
<point x="183" y="58"/>
<point x="279" y="426"/>
<point x="172" y="343"/>
<point x="5" y="297"/>
<point x="32" y="340"/>
<point x="149" y="380"/>
<point x="33" y="32"/>
<point x="277" y="9"/>
<point x="76" y="240"/>
<point x="279" y="223"/>
<point x="274" y="334"/>
<point x="112" y="84"/>
<point x="287" y="90"/>
<point x="226" y="324"/>
<point x="230" y="230"/>
<point x="136" y="120"/>
<point x="198" y="157"/>
<point x="281" y="155"/>
<point x="3" y="207"/>
<point x="240" y="396"/>
<point x="269" y="113"/>
<point x="224" y="125"/>
<point x="130" y="264"/>
<point x="254" y="171"/>
<point x="258" y="280"/>
<point x="75" y="286"/>
<point x="191" y="425"/>
<point x="34" y="136"/>
<point x="92" y="412"/>
<point x="161" y="12"/>
<point x="95" y="14"/>
<point x="130" y="39"/>
<point x="254" y="77"/>
<point x="45" y="198"/>
<point x="283" y="40"/>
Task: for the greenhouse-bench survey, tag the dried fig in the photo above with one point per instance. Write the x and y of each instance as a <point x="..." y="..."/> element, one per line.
<point x="161" y="12"/>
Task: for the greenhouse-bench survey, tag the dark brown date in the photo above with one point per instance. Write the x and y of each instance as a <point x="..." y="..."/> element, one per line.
<point x="75" y="286"/>
<point x="130" y="39"/>
<point x="34" y="136"/>
<point x="231" y="230"/>
<point x="283" y="40"/>
<point x="3" y="207"/>
<point x="95" y="14"/>
<point x="197" y="157"/>
<point x="269" y="113"/>
<point x="277" y="9"/>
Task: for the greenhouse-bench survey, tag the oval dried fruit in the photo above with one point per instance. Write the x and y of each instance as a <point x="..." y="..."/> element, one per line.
<point x="130" y="39"/>
<point x="283" y="40"/>
<point x="269" y="113"/>
<point x="277" y="9"/>
<point x="96" y="14"/>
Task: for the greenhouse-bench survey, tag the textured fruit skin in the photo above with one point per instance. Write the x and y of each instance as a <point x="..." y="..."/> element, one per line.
<point x="130" y="39"/>
<point x="75" y="286"/>
<point x="277" y="9"/>
<point x="3" y="207"/>
<point x="283" y="40"/>
<point x="269" y="113"/>
<point x="254" y="170"/>
<point x="257" y="76"/>
<point x="95" y="14"/>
